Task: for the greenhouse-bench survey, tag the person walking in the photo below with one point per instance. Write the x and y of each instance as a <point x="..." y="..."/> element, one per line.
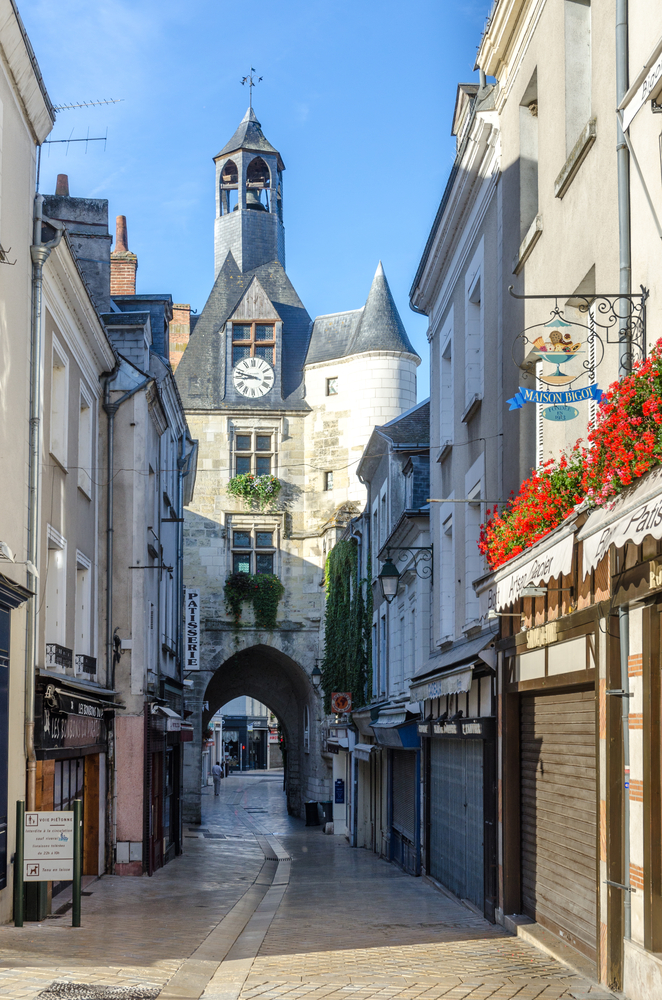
<point x="217" y="774"/>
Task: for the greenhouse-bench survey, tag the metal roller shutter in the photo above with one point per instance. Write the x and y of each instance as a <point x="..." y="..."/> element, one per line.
<point x="404" y="793"/>
<point x="558" y="814"/>
<point x="456" y="856"/>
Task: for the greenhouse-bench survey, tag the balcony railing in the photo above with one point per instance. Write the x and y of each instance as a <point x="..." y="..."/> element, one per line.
<point x="58" y="656"/>
<point x="85" y="664"/>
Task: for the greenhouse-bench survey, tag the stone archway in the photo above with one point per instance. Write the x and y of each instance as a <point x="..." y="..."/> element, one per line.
<point x="274" y="678"/>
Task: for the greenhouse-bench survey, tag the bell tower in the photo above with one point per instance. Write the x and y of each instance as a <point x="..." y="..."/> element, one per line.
<point x="249" y="199"/>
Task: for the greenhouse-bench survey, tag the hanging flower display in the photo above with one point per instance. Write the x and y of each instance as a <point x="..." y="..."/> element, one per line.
<point x="260" y="489"/>
<point x="624" y="443"/>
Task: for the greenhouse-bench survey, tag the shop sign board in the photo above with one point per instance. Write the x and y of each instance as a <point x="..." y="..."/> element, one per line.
<point x="341" y="701"/>
<point x="70" y="721"/>
<point x="192" y="655"/>
<point x="48" y="852"/>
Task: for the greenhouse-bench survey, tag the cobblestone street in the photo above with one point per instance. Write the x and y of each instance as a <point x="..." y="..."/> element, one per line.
<point x="235" y="919"/>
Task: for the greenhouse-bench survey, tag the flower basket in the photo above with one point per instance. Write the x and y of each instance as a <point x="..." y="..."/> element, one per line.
<point x="624" y="443"/>
<point x="262" y="490"/>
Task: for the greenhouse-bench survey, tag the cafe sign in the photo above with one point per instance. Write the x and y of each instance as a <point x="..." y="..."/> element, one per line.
<point x="569" y="348"/>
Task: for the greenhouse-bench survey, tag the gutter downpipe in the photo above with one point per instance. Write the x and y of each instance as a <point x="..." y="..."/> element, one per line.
<point x="623" y="178"/>
<point x="39" y="253"/>
<point x="354" y="826"/>
<point x="625" y="366"/>
<point x="624" y="641"/>
<point x="111" y="409"/>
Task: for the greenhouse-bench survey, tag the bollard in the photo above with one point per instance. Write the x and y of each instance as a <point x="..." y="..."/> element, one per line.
<point x="18" y="864"/>
<point x="78" y="865"/>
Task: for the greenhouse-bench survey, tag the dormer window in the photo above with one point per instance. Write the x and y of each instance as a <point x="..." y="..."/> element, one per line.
<point x="253" y="340"/>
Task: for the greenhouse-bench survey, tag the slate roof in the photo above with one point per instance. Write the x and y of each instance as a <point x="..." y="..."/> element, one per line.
<point x="332" y="335"/>
<point x="410" y="428"/>
<point x="249" y="136"/>
<point x="375" y="327"/>
<point x="200" y="374"/>
<point x="408" y="432"/>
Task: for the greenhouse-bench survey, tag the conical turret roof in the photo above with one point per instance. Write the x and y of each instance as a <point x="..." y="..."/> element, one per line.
<point x="380" y="327"/>
<point x="249" y="136"/>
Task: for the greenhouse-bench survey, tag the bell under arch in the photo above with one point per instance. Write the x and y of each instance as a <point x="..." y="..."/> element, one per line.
<point x="229" y="187"/>
<point x="258" y="183"/>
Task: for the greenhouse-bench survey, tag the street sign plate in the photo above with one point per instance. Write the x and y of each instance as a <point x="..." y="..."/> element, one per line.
<point x="49" y="846"/>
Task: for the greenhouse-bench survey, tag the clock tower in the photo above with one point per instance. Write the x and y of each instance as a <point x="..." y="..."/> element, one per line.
<point x="268" y="392"/>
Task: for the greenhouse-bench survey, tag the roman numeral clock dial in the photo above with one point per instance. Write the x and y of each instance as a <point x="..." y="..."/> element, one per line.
<point x="253" y="377"/>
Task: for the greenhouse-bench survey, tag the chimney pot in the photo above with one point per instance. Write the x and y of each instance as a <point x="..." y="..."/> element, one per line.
<point x="62" y="186"/>
<point x="121" y="240"/>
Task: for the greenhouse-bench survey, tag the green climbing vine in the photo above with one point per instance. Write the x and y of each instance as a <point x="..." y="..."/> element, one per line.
<point x="262" y="590"/>
<point x="347" y="626"/>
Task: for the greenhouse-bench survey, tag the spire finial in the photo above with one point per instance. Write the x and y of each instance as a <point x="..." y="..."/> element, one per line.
<point x="252" y="82"/>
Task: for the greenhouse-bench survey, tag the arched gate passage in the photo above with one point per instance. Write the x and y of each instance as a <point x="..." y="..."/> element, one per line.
<point x="278" y="681"/>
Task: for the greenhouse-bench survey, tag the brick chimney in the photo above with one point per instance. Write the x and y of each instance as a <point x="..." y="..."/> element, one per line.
<point x="62" y="186"/>
<point x="180" y="331"/>
<point x="123" y="263"/>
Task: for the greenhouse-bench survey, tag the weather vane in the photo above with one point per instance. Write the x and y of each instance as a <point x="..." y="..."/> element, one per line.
<point x="252" y="82"/>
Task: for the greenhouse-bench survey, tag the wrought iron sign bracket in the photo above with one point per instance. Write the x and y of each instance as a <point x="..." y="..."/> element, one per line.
<point x="4" y="256"/>
<point x="611" y="318"/>
<point x="422" y="555"/>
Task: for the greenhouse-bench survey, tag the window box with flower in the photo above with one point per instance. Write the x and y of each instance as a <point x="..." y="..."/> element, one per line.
<point x="624" y="443"/>
<point x="260" y="490"/>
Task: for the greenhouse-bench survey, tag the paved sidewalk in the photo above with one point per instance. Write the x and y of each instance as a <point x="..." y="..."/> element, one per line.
<point x="232" y="920"/>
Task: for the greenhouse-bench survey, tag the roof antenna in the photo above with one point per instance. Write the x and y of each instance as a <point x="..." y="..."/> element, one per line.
<point x="252" y="82"/>
<point x="87" y="104"/>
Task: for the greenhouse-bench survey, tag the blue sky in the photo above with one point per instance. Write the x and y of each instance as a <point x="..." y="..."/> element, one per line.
<point x="357" y="95"/>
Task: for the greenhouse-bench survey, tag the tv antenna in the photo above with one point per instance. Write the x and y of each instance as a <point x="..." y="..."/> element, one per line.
<point x="252" y="82"/>
<point x="53" y="142"/>
<point x="87" y="104"/>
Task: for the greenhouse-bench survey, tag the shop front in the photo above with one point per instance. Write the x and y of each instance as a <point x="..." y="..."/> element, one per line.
<point x="460" y="776"/>
<point x="458" y="738"/>
<point x="396" y="731"/>
<point x="72" y="721"/>
<point x="12" y="596"/>
<point x="557" y="657"/>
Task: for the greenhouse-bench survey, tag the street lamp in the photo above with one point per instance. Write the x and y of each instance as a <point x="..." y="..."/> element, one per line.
<point x="389" y="578"/>
<point x="316" y="676"/>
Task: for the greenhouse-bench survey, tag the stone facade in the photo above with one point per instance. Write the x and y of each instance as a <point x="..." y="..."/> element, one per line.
<point x="333" y="380"/>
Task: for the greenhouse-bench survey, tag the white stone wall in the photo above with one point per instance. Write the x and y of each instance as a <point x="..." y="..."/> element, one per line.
<point x="373" y="388"/>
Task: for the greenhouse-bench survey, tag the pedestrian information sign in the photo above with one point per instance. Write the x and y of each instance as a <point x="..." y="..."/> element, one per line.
<point x="49" y="847"/>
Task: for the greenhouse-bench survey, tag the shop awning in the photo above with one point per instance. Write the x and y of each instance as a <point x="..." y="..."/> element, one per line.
<point x="338" y="741"/>
<point x="362" y="751"/>
<point x="173" y="720"/>
<point x="630" y="518"/>
<point x="77" y="703"/>
<point x="389" y="719"/>
<point x="451" y="671"/>
<point x="541" y="564"/>
<point x="452" y="682"/>
<point x="645" y="88"/>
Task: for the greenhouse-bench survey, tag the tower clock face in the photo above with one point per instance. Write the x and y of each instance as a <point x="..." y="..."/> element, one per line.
<point x="253" y="377"/>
